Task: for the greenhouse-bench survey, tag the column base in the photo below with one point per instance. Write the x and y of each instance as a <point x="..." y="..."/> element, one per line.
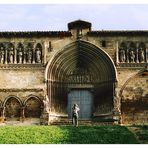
<point x="117" y="117"/>
<point x="44" y="119"/>
<point x="22" y="119"/>
<point x="2" y="119"/>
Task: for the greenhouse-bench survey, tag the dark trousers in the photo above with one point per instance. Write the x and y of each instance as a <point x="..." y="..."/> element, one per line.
<point x="75" y="120"/>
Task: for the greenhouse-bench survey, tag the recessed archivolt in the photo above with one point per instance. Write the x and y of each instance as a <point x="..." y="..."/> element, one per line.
<point x="74" y="63"/>
<point x="97" y="61"/>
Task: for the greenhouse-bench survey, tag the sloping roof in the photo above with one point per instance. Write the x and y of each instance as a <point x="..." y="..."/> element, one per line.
<point x="36" y="34"/>
<point x="79" y="24"/>
<point x="118" y="32"/>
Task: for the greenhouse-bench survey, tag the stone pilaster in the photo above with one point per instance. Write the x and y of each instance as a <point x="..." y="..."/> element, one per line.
<point x="117" y="53"/>
<point x="33" y="54"/>
<point x="117" y="106"/>
<point x="6" y="56"/>
<point x="3" y="114"/>
<point x="137" y="60"/>
<point x="44" y="119"/>
<point x="22" y="114"/>
<point x="15" y="54"/>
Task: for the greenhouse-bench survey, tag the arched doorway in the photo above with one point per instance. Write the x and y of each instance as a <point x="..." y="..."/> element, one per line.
<point x="12" y="108"/>
<point x="32" y="107"/>
<point x="84" y="74"/>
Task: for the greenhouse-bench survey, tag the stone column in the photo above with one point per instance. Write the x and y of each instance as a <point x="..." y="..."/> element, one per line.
<point x="127" y="55"/>
<point x="23" y="113"/>
<point x="44" y="119"/>
<point x="3" y="114"/>
<point x="15" y="54"/>
<point x="24" y="56"/>
<point x="33" y="52"/>
<point x="117" y="52"/>
<point x="146" y="55"/>
<point x="117" y="105"/>
<point x="137" y="60"/>
<point x="6" y="55"/>
<point x="44" y="53"/>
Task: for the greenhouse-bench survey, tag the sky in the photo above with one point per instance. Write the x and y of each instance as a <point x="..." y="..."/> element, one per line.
<point x="54" y="17"/>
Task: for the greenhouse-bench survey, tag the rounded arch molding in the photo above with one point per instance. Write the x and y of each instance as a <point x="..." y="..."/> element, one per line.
<point x="67" y="57"/>
<point x="35" y="97"/>
<point x="12" y="96"/>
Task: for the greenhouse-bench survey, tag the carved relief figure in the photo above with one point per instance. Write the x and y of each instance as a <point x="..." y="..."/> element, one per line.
<point x="29" y="55"/>
<point x="122" y="56"/>
<point x="20" y="56"/>
<point x="2" y="56"/>
<point x="11" y="55"/>
<point x="141" y="55"/>
<point x="132" y="56"/>
<point x="38" y="55"/>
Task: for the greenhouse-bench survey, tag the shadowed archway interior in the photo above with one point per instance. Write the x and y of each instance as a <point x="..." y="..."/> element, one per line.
<point x="81" y="65"/>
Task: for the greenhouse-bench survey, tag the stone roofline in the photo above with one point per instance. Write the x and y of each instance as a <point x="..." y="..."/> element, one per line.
<point x="74" y="25"/>
<point x="68" y="33"/>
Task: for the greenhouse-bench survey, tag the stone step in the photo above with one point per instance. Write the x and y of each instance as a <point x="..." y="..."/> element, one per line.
<point x="81" y="122"/>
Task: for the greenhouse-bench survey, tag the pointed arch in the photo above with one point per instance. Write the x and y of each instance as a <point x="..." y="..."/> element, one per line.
<point x="88" y="65"/>
<point x="69" y="52"/>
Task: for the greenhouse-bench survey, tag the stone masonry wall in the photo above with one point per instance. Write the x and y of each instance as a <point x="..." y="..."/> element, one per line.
<point x="134" y="103"/>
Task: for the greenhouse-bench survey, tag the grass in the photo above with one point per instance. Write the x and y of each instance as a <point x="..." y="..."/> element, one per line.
<point x="140" y="132"/>
<point x="66" y="135"/>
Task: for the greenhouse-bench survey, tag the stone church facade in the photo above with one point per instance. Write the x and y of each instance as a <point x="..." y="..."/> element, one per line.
<point x="42" y="74"/>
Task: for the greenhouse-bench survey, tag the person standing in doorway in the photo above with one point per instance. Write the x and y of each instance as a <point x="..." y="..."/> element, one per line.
<point x="75" y="115"/>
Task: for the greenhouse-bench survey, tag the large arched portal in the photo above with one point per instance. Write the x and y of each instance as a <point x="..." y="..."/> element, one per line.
<point x="84" y="74"/>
